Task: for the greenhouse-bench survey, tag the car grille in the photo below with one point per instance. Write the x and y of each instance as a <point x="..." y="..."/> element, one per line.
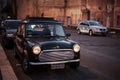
<point x="103" y="30"/>
<point x="56" y="56"/>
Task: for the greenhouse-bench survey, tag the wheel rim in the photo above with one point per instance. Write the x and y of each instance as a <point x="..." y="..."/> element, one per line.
<point x="90" y="33"/>
<point x="78" y="31"/>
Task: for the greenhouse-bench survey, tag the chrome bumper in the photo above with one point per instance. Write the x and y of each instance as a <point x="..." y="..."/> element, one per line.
<point x="57" y="62"/>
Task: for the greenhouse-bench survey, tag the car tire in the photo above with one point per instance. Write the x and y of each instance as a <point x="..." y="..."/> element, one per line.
<point x="25" y="65"/>
<point x="4" y="43"/>
<point x="78" y="31"/>
<point x="90" y="33"/>
<point x="74" y="65"/>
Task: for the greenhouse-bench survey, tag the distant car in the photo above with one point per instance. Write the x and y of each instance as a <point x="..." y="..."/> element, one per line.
<point x="91" y="27"/>
<point x="44" y="42"/>
<point x="8" y="30"/>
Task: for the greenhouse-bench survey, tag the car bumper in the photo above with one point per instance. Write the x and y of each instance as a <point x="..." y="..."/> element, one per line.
<point x="56" y="62"/>
<point x="99" y="33"/>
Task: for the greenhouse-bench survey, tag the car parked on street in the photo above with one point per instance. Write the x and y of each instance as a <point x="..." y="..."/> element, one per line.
<point x="44" y="41"/>
<point x="92" y="28"/>
<point x="8" y="30"/>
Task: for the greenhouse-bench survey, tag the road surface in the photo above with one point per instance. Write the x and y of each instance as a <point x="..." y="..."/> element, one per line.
<point x="100" y="60"/>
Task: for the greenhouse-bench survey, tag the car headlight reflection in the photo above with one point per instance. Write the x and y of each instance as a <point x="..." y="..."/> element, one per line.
<point x="96" y="29"/>
<point x="76" y="48"/>
<point x="36" y="49"/>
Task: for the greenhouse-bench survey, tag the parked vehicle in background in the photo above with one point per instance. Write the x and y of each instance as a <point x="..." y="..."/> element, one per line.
<point x="92" y="28"/>
<point x="8" y="30"/>
<point x="1" y="24"/>
<point x="44" y="42"/>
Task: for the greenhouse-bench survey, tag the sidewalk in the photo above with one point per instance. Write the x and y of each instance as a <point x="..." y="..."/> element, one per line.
<point x="114" y="32"/>
<point x="6" y="70"/>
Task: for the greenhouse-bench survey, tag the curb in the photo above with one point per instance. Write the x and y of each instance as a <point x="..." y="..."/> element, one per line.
<point x="5" y="67"/>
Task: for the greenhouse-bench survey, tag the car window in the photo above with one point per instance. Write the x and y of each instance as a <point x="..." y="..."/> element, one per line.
<point x="84" y="23"/>
<point x="59" y="30"/>
<point x="43" y="29"/>
<point x="81" y="23"/>
<point x="12" y="24"/>
<point x="94" y="23"/>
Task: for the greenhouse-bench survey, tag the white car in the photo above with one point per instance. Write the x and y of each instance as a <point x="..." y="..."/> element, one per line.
<point x="91" y="27"/>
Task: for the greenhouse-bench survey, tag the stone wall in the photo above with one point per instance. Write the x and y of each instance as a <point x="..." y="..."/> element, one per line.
<point x="50" y="8"/>
<point x="103" y="11"/>
<point x="117" y="14"/>
<point x="98" y="10"/>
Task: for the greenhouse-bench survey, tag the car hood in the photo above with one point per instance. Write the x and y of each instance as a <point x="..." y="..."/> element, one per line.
<point x="54" y="43"/>
<point x="99" y="27"/>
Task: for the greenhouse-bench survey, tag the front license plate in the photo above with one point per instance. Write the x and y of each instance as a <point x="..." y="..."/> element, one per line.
<point x="57" y="66"/>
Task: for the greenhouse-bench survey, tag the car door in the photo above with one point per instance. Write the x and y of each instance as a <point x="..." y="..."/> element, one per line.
<point x="81" y="25"/>
<point x="84" y="27"/>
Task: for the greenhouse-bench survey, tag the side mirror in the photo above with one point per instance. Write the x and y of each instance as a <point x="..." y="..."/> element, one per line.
<point x="68" y="34"/>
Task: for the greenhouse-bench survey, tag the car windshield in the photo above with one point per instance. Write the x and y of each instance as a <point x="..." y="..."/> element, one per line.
<point x="43" y="30"/>
<point x="12" y="24"/>
<point x="95" y="23"/>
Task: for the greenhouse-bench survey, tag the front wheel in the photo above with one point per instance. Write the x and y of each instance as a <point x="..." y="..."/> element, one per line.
<point x="25" y="65"/>
<point x="4" y="43"/>
<point x="90" y="33"/>
<point x="78" y="31"/>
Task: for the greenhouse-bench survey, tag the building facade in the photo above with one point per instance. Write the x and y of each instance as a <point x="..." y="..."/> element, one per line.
<point x="70" y="11"/>
<point x="117" y="14"/>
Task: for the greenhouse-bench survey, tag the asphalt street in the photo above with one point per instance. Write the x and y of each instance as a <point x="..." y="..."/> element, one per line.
<point x="100" y="60"/>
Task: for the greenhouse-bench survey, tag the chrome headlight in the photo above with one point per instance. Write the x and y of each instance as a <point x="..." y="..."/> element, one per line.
<point x="36" y="49"/>
<point x="76" y="48"/>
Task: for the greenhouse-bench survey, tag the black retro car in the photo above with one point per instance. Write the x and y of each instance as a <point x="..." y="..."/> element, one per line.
<point x="8" y="30"/>
<point x="44" y="42"/>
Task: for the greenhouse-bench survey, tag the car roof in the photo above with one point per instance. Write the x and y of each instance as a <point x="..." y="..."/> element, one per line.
<point x="7" y="21"/>
<point x="12" y="20"/>
<point x="90" y="21"/>
<point x="40" y="19"/>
